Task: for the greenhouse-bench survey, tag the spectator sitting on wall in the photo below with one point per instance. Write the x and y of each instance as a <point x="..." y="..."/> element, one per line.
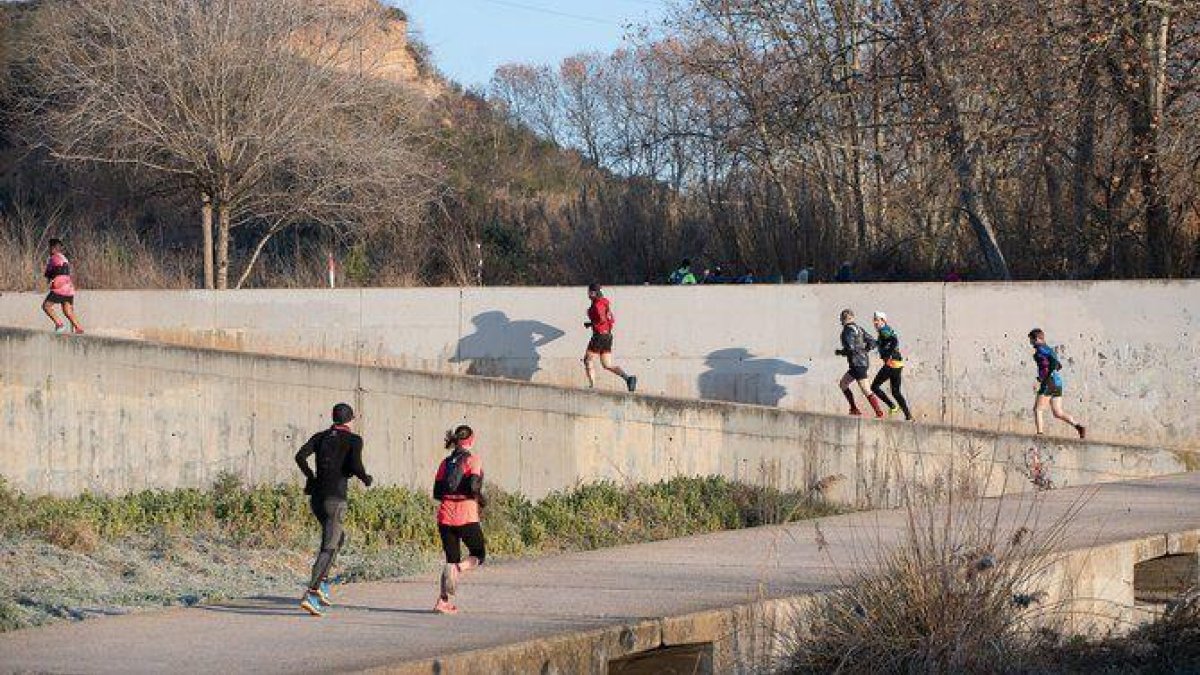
<point x="952" y="276"/>
<point x="804" y="276"/>
<point x="844" y="274"/>
<point x="683" y="274"/>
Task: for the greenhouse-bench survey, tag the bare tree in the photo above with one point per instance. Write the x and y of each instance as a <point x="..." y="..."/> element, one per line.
<point x="263" y="110"/>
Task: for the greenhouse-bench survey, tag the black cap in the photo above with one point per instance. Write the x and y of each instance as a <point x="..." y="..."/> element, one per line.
<point x="594" y="288"/>
<point x="342" y="413"/>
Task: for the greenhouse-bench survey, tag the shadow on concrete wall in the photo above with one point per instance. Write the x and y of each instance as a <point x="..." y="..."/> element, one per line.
<point x="500" y="347"/>
<point x="737" y="376"/>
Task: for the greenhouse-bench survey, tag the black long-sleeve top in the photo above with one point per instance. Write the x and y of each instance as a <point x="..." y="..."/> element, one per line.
<point x="339" y="456"/>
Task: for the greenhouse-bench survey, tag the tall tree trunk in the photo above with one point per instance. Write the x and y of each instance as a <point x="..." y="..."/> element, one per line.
<point x="206" y="236"/>
<point x="848" y="43"/>
<point x="943" y="98"/>
<point x="977" y="215"/>
<point x="881" y="205"/>
<point x="1085" y="138"/>
<point x="222" y="245"/>
<point x="1151" y="24"/>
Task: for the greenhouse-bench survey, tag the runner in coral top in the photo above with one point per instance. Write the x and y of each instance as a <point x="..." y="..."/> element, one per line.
<point x="62" y="290"/>
<point x="458" y="484"/>
<point x="601" y="321"/>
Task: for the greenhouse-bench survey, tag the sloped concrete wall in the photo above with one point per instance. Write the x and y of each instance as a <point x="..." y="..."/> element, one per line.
<point x="109" y="415"/>
<point x="1130" y="348"/>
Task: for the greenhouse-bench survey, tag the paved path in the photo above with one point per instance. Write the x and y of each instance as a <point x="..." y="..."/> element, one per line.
<point x="385" y="624"/>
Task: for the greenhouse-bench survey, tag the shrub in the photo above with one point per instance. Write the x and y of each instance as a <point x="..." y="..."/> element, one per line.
<point x="955" y="594"/>
<point x="278" y="516"/>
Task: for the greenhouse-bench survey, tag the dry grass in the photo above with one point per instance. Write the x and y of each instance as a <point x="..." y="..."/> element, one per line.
<point x="958" y="593"/>
<point x="114" y="258"/>
<point x="1170" y="644"/>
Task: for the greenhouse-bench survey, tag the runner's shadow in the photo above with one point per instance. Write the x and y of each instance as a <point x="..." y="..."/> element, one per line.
<point x="263" y="605"/>
<point x="500" y="347"/>
<point x="280" y="606"/>
<point x="737" y="376"/>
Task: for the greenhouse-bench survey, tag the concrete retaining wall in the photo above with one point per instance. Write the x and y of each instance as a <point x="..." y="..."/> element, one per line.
<point x="1130" y="348"/>
<point x="110" y="415"/>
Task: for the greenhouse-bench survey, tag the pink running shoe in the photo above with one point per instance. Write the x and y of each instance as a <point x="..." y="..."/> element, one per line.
<point x="445" y="607"/>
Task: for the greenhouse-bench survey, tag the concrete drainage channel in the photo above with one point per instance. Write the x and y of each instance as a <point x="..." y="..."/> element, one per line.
<point x="681" y="660"/>
<point x="1159" y="581"/>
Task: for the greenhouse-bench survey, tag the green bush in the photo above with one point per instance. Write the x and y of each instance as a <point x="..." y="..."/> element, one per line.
<point x="277" y="516"/>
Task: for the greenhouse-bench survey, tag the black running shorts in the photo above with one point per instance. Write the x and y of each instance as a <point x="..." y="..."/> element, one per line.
<point x="857" y="372"/>
<point x="470" y="534"/>
<point x="601" y="343"/>
<point x="1050" y="388"/>
<point x="56" y="299"/>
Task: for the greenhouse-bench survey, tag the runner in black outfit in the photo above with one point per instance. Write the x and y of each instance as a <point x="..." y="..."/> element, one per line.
<point x="339" y="456"/>
<point x="892" y="368"/>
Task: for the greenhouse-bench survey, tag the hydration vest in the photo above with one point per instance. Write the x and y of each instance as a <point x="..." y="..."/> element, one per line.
<point x="453" y="473"/>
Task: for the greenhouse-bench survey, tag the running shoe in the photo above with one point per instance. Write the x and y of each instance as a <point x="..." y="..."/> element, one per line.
<point x="79" y="331"/>
<point x="631" y="383"/>
<point x="893" y="410"/>
<point x="856" y="412"/>
<point x="1082" y="430"/>
<point x="311" y="604"/>
<point x="60" y="329"/>
<point x="325" y="593"/>
<point x="445" y="607"/>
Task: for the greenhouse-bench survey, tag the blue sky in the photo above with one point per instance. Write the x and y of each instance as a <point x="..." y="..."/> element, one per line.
<point x="469" y="38"/>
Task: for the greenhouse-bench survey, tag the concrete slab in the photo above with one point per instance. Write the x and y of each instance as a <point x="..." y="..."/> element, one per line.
<point x="574" y="612"/>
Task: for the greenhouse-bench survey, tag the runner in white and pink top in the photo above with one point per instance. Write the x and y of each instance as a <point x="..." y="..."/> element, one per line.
<point x="62" y="290"/>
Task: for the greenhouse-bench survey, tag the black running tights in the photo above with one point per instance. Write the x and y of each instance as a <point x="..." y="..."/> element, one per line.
<point x="892" y="376"/>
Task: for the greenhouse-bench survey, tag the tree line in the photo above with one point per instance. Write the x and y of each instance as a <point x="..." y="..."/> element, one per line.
<point x="1028" y="138"/>
<point x="229" y="143"/>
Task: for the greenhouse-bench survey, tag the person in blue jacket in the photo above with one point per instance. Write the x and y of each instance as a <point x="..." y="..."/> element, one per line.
<point x="1049" y="384"/>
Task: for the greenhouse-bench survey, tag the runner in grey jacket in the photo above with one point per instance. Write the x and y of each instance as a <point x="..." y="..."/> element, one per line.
<point x="856" y="347"/>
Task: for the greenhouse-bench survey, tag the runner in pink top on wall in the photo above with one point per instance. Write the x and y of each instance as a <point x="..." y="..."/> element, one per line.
<point x="62" y="290"/>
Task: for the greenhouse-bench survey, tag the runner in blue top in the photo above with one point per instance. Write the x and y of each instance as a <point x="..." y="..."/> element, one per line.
<point x="1049" y="383"/>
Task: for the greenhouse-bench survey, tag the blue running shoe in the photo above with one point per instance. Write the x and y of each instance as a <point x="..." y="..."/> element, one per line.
<point x="311" y="604"/>
<point x="325" y="593"/>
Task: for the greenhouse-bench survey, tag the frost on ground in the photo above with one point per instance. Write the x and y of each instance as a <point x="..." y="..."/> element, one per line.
<point x="88" y="555"/>
<point x="43" y="583"/>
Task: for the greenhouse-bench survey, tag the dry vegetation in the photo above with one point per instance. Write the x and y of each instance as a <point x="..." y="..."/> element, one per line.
<point x="965" y="591"/>
<point x="1037" y="139"/>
